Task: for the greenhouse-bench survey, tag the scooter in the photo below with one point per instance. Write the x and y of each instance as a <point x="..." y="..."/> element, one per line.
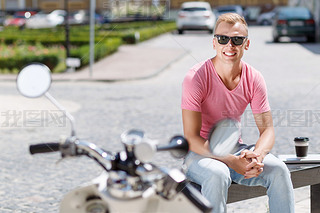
<point x="129" y="182"/>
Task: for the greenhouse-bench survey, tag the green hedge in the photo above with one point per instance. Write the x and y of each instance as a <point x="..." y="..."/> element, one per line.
<point x="101" y="50"/>
<point x="146" y="34"/>
<point x="53" y="57"/>
<point x="108" y="38"/>
<point x="133" y="25"/>
<point x="17" y="55"/>
<point x="79" y="35"/>
<point x="15" y="63"/>
<point x="129" y="35"/>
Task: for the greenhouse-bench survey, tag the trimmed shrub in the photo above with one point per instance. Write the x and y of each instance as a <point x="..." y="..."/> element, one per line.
<point x="18" y="62"/>
<point x="79" y="35"/>
<point x="101" y="50"/>
<point x="46" y="45"/>
<point x="15" y="57"/>
<point x="130" y="36"/>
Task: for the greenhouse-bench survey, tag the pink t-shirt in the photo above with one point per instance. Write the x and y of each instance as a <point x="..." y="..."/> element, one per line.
<point x="203" y="91"/>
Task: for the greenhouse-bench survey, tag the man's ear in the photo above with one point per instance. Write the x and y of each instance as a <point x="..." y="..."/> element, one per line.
<point x="214" y="43"/>
<point x="247" y="45"/>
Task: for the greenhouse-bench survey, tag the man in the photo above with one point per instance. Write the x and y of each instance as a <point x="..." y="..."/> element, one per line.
<point x="219" y="88"/>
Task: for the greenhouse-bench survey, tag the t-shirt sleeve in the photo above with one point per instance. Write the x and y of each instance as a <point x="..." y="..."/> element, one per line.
<point x="191" y="92"/>
<point x="259" y="102"/>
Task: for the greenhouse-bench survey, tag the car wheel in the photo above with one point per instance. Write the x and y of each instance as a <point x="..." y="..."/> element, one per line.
<point x="275" y="39"/>
<point x="180" y="32"/>
<point x="311" y="39"/>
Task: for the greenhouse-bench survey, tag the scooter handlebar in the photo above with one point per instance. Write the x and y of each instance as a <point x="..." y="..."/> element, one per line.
<point x="44" y="148"/>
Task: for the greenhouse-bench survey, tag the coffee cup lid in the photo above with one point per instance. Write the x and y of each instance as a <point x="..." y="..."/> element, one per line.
<point x="301" y="139"/>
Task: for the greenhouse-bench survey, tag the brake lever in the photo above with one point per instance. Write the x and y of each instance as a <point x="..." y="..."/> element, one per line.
<point x="68" y="148"/>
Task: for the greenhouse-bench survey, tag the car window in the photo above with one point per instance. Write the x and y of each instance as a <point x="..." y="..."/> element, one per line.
<point x="294" y="13"/>
<point x="191" y="9"/>
<point x="226" y="11"/>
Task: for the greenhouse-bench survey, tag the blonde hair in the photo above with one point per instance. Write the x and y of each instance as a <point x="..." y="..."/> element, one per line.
<point x="231" y="18"/>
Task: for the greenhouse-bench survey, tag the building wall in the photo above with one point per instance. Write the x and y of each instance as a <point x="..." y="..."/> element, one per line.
<point x="177" y="3"/>
<point x="49" y="5"/>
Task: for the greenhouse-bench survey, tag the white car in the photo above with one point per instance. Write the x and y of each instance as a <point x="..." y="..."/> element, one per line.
<point x="50" y="20"/>
<point x="195" y="16"/>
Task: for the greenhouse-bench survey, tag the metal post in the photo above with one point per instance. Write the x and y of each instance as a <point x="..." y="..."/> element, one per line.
<point x="92" y="23"/>
<point x="66" y="24"/>
<point x="317" y="18"/>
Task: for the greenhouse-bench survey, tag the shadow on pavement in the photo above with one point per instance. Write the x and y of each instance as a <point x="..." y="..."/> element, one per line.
<point x="312" y="47"/>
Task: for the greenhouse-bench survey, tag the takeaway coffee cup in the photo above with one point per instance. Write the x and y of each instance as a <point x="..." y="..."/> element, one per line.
<point x="301" y="144"/>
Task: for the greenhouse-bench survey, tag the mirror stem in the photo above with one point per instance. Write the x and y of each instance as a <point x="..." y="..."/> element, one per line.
<point x="64" y="111"/>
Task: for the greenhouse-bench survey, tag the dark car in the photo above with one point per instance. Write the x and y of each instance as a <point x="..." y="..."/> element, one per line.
<point x="251" y="13"/>
<point x="83" y="17"/>
<point x="229" y="9"/>
<point x="2" y="17"/>
<point x="266" y="18"/>
<point x="293" y="22"/>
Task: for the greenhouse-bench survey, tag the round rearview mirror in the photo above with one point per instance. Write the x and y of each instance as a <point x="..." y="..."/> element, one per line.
<point x="34" y="80"/>
<point x="224" y="137"/>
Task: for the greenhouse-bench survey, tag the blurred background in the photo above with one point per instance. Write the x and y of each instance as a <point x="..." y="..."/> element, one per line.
<point x="285" y="48"/>
<point x="52" y="31"/>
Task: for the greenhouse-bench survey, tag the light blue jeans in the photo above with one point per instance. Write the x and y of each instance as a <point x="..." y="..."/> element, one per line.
<point x="215" y="178"/>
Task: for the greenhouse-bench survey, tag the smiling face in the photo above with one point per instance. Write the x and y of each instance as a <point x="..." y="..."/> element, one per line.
<point x="230" y="53"/>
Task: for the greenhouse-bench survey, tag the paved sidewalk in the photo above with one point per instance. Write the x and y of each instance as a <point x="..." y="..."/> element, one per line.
<point x="130" y="62"/>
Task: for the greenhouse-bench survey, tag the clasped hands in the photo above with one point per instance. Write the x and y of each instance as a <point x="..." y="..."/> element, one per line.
<point x="248" y="164"/>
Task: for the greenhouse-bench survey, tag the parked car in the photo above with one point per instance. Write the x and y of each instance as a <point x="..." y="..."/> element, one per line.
<point x="293" y="22"/>
<point x="229" y="9"/>
<point x="266" y="18"/>
<point x="83" y="17"/>
<point x="2" y="17"/>
<point x="195" y="16"/>
<point x="19" y="18"/>
<point x="251" y="13"/>
<point x="42" y="20"/>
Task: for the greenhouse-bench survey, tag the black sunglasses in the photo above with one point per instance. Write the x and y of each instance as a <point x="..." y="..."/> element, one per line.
<point x="236" y="40"/>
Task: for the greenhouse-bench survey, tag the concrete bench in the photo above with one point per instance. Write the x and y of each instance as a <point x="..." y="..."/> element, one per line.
<point x="301" y="175"/>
